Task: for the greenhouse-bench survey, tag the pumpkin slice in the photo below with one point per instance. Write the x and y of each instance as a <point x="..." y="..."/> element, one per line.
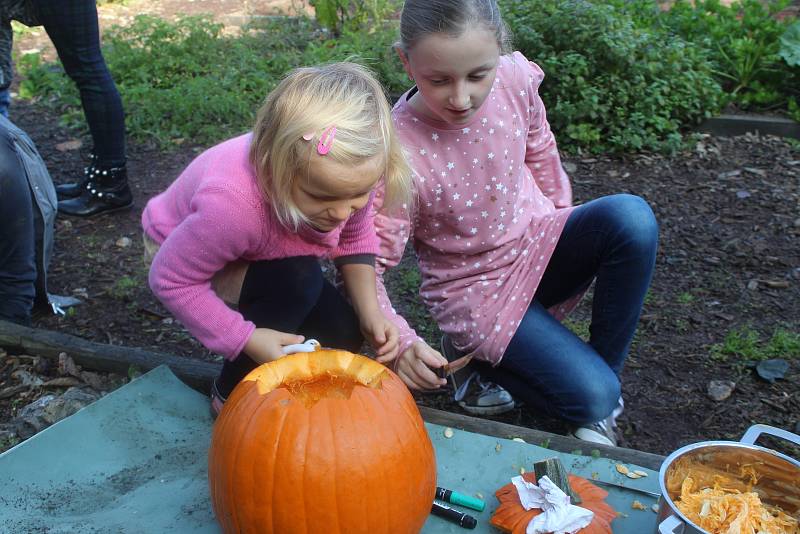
<point x="511" y="517"/>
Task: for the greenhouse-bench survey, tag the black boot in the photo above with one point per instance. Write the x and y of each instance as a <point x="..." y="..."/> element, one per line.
<point x="106" y="190"/>
<point x="75" y="189"/>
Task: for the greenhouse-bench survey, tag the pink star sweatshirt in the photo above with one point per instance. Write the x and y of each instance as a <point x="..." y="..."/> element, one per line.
<point x="492" y="200"/>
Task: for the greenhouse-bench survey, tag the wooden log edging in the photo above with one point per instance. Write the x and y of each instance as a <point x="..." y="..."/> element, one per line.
<point x="540" y="438"/>
<point x="102" y="357"/>
<point x="199" y="374"/>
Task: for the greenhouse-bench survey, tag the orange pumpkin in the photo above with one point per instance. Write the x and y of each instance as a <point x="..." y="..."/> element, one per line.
<point x="326" y="441"/>
<point x="511" y="517"/>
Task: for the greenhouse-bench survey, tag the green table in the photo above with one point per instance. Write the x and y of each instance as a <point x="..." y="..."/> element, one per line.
<point x="135" y="462"/>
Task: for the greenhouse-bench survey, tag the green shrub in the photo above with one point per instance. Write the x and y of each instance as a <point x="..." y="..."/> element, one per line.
<point x="751" y="50"/>
<point x="341" y="16"/>
<point x="187" y="81"/>
<point x="374" y="50"/>
<point x="743" y="41"/>
<point x="611" y="85"/>
<point x="183" y="80"/>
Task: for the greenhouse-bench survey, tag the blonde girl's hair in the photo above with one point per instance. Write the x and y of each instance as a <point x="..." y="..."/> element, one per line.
<point x="452" y="17"/>
<point x="309" y="100"/>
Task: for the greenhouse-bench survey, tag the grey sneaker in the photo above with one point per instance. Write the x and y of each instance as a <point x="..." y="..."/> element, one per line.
<point x="483" y="398"/>
<point x="617" y="412"/>
<point x="474" y="395"/>
<point x="601" y="432"/>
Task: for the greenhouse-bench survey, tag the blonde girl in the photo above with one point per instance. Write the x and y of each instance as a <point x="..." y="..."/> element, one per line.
<point x="240" y="233"/>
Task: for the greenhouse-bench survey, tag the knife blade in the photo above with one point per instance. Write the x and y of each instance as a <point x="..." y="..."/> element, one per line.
<point x="451" y="367"/>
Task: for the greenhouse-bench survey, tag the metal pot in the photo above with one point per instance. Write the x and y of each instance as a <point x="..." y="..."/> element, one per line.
<point x="778" y="483"/>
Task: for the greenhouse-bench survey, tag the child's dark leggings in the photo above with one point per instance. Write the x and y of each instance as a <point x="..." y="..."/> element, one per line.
<point x="291" y="295"/>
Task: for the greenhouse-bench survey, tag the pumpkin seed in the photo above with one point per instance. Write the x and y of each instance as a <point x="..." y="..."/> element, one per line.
<point x="448" y="433"/>
<point x="622" y="469"/>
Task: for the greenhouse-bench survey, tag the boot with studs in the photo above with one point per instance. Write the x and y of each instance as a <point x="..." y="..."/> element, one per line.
<point x="104" y="190"/>
<point x="74" y="189"/>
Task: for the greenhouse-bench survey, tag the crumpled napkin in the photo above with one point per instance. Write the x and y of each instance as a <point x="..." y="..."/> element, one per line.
<point x="559" y="516"/>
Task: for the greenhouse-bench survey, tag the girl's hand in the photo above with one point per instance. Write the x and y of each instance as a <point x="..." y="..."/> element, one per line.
<point x="266" y="345"/>
<point x="414" y="366"/>
<point x="382" y="335"/>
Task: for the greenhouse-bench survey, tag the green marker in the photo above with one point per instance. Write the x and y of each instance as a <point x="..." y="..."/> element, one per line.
<point x="460" y="499"/>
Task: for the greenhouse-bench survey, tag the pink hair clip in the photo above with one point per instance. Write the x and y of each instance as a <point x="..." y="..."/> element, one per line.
<point x="326" y="141"/>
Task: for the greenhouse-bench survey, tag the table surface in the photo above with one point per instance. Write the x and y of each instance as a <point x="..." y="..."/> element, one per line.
<point x="135" y="462"/>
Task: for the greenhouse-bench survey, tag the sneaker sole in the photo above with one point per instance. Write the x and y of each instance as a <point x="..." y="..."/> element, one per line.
<point x="598" y="438"/>
<point x="487" y="410"/>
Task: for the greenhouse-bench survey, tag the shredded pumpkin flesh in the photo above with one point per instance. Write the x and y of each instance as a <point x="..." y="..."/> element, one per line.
<point x="726" y="510"/>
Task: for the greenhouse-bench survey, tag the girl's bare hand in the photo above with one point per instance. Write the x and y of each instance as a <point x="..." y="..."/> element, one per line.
<point x="266" y="345"/>
<point x="415" y="367"/>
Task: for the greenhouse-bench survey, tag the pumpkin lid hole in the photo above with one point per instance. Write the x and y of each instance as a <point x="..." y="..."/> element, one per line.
<point x="325" y="386"/>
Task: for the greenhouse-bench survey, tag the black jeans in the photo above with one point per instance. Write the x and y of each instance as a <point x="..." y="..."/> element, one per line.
<point x="17" y="238"/>
<point x="291" y="295"/>
<point x="72" y="27"/>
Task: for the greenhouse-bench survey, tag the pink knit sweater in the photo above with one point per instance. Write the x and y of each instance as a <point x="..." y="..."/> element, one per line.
<point x="493" y="199"/>
<point x="213" y="214"/>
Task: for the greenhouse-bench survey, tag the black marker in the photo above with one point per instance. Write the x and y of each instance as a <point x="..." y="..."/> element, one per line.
<point x="451" y="514"/>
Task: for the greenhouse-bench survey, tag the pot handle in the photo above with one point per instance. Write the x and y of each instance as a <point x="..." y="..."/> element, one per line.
<point x="753" y="433"/>
<point x="669" y="525"/>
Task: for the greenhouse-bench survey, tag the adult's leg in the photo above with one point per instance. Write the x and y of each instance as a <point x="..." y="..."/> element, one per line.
<point x="6" y="70"/>
<point x="291" y="295"/>
<point x="73" y="28"/>
<point x="17" y="239"/>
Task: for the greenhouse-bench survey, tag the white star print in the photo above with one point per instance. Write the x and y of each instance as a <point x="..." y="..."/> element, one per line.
<point x="456" y="196"/>
<point x="450" y="165"/>
<point x="465" y="130"/>
<point x="422" y="151"/>
<point x="473" y="230"/>
<point x="435" y="136"/>
<point x="484" y="214"/>
<point x="469" y="203"/>
<point x="490" y="155"/>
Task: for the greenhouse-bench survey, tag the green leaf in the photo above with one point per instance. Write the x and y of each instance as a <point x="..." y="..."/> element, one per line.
<point x="790" y="45"/>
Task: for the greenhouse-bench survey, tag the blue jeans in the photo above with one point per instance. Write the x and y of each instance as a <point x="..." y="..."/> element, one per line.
<point x="611" y="240"/>
<point x="17" y="238"/>
<point x="5" y="101"/>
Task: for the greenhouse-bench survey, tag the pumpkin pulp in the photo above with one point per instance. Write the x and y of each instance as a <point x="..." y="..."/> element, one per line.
<point x="328" y="386"/>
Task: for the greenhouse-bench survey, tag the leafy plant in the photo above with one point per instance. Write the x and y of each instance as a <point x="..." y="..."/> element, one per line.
<point x="743" y="41"/>
<point x="341" y="16"/>
<point x="613" y="84"/>
<point x="790" y="45"/>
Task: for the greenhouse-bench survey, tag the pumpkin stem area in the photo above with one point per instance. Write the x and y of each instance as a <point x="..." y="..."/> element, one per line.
<point x="309" y="391"/>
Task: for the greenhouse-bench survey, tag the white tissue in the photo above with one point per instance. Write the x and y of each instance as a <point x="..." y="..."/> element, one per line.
<point x="310" y="345"/>
<point x="559" y="517"/>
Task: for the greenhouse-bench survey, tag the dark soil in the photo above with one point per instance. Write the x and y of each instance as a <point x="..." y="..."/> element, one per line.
<point x="729" y="259"/>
